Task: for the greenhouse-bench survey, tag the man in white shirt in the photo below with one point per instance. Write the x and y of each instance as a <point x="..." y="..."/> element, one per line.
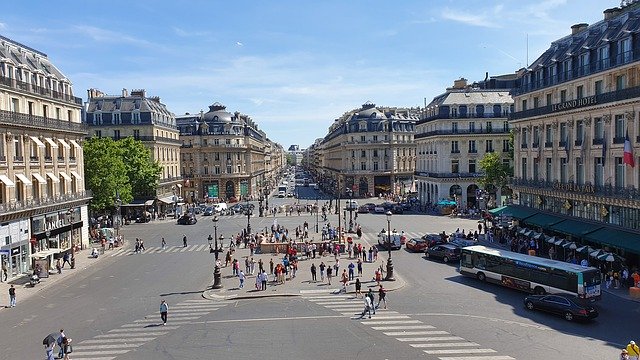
<point x="367" y="307"/>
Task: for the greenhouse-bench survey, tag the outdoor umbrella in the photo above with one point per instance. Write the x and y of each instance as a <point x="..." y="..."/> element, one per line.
<point x="523" y="231"/>
<point x="569" y="245"/>
<point x="597" y="253"/>
<point x="551" y="240"/>
<point x="585" y="249"/>
<point x="606" y="257"/>
<point x="50" y="339"/>
<point x="539" y="236"/>
<point x="560" y="242"/>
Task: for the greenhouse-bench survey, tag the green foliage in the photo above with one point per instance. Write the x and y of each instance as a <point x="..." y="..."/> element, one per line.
<point x="290" y="160"/>
<point x="105" y="173"/>
<point x="142" y="171"/>
<point x="496" y="173"/>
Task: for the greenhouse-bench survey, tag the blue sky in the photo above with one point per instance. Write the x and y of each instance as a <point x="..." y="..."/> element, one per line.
<point x="292" y="65"/>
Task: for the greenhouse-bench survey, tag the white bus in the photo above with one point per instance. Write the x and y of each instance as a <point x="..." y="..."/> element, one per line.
<point x="282" y="191"/>
<point x="530" y="273"/>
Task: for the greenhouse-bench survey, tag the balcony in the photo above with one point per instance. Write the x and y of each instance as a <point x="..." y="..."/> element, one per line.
<point x="629" y="192"/>
<point x="449" y="175"/>
<point x="523" y="146"/>
<point x="18" y="159"/>
<point x="60" y="158"/>
<point x="456" y="151"/>
<point x="536" y="145"/>
<point x="30" y="204"/>
<point x="39" y="91"/>
<point x="578" y="142"/>
<point x="562" y="144"/>
<point x="548" y="144"/>
<point x="462" y="132"/>
<point x="40" y="122"/>
<point x="473" y="151"/>
<point x="597" y="141"/>
<point x="618" y="140"/>
<point x="489" y="115"/>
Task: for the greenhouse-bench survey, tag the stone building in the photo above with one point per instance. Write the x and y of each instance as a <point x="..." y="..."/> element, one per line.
<point x="576" y="112"/>
<point x="369" y="151"/>
<point x="43" y="202"/>
<point x="459" y="127"/>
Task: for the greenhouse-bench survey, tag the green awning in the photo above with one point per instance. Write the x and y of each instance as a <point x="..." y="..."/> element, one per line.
<point x="517" y="212"/>
<point x="543" y="220"/>
<point x="497" y="211"/>
<point x="575" y="228"/>
<point x="616" y="238"/>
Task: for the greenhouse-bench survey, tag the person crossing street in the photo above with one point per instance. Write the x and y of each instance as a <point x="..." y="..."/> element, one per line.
<point x="164" y="309"/>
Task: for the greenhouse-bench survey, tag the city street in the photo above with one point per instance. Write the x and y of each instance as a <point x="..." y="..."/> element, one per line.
<point x="110" y="310"/>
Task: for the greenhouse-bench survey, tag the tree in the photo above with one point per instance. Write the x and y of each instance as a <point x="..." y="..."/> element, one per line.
<point x="143" y="172"/>
<point x="496" y="173"/>
<point x="105" y="173"/>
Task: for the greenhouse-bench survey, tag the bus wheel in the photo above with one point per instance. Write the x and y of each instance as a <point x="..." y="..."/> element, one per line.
<point x="539" y="291"/>
<point x="481" y="276"/>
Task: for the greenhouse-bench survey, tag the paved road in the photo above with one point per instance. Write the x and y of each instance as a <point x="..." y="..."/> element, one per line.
<point x="111" y="309"/>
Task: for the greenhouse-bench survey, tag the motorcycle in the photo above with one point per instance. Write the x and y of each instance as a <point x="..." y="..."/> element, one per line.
<point x="35" y="279"/>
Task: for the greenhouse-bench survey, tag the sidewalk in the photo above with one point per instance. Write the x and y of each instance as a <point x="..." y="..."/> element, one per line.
<point x="621" y="292"/>
<point x="25" y="291"/>
<point x="301" y="284"/>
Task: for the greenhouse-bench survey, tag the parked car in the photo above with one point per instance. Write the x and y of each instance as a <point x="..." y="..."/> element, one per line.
<point x="406" y="205"/>
<point x="187" y="219"/>
<point x="387" y="205"/>
<point x="433" y="239"/>
<point x="446" y="252"/>
<point x="567" y="306"/>
<point x="371" y="206"/>
<point x="416" y="245"/>
<point x="208" y="211"/>
<point x="363" y="209"/>
<point x="379" y="209"/>
<point x="397" y="209"/>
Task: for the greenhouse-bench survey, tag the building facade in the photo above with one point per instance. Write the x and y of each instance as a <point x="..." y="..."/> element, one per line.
<point x="145" y="119"/>
<point x="43" y="202"/>
<point x="459" y="127"/>
<point x="369" y="151"/>
<point x="226" y="157"/>
<point x="575" y="111"/>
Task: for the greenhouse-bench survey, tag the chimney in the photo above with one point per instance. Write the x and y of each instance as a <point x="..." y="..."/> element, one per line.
<point x="611" y="13"/>
<point x="460" y="84"/>
<point x="578" y="28"/>
<point x="125" y="93"/>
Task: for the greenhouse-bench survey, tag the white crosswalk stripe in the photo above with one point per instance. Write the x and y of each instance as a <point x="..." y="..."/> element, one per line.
<point x="160" y="250"/>
<point x="130" y="336"/>
<point x="476" y="358"/>
<point x="459" y="351"/>
<point x="427" y="339"/>
<point x="444" y="345"/>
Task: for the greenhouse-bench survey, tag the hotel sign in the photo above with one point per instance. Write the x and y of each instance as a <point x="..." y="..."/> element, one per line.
<point x="585" y="189"/>
<point x="572" y="104"/>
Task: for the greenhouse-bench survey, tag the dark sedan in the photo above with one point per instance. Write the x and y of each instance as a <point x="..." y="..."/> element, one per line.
<point x="187" y="219"/>
<point x="567" y="306"/>
<point x="446" y="252"/>
<point x="433" y="239"/>
<point x="416" y="245"/>
<point x="208" y="211"/>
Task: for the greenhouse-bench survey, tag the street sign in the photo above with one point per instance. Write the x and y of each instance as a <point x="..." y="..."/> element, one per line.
<point x="4" y="252"/>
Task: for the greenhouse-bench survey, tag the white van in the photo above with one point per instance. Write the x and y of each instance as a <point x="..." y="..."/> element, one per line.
<point x="351" y="205"/>
<point x="220" y="207"/>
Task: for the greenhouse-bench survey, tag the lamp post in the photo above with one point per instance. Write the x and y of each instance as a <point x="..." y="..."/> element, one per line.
<point x="350" y="208"/>
<point x="118" y="214"/>
<point x="248" y="210"/>
<point x="317" y="211"/>
<point x="389" y="276"/>
<point x="175" y="202"/>
<point x="217" y="276"/>
<point x="73" y="247"/>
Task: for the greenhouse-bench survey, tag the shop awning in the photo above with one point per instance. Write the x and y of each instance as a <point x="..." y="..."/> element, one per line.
<point x="37" y="141"/>
<point x="51" y="142"/>
<point x="575" y="228"/>
<point x="616" y="238"/>
<point x="75" y="143"/>
<point x="167" y="200"/>
<point x="44" y="253"/>
<point x="23" y="179"/>
<point x="53" y="177"/>
<point x="497" y="211"/>
<point x="543" y="220"/>
<point x="149" y="202"/>
<point x="518" y="212"/>
<point x="65" y="176"/>
<point x="7" y="181"/>
<point x="76" y="175"/>
<point x="64" y="143"/>
<point x="38" y="177"/>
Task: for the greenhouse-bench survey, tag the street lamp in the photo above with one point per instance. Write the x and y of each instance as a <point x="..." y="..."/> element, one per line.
<point x="248" y="210"/>
<point x="350" y="208"/>
<point x="389" y="276"/>
<point x="73" y="247"/>
<point x="217" y="276"/>
<point x="317" y="210"/>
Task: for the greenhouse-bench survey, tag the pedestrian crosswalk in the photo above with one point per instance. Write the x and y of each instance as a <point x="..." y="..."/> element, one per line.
<point x="439" y="344"/>
<point x="130" y="336"/>
<point x="159" y="250"/>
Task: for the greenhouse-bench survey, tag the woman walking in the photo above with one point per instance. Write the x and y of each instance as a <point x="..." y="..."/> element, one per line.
<point x="358" y="288"/>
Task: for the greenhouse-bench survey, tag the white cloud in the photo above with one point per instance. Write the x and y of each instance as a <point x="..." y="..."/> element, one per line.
<point x="476" y="19"/>
<point x="187" y="33"/>
<point x="3" y="25"/>
<point x="239" y="43"/>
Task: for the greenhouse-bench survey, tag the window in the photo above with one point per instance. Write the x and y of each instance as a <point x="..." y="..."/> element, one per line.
<point x="563" y="96"/>
<point x="583" y="63"/>
<point x="620" y="167"/>
<point x="598" y="171"/>
<point x="621" y="82"/>
<point x="563" y="133"/>
<point x="228" y="156"/>
<point x="548" y="136"/>
<point x="455" y="166"/>
<point x="524" y="135"/>
<point x="97" y="118"/>
<point x="524" y="168"/>
<point x="375" y="152"/>
<point x="536" y="136"/>
<point x="472" y="165"/>
<point x="454" y="147"/>
<point x="117" y="119"/>
<point x="472" y="146"/>
<point x="564" y="171"/>
<point x="598" y="87"/>
<point x="488" y="126"/>
<point x="136" y="134"/>
<point x="98" y="133"/>
<point x="116" y="134"/>
<point x="227" y="141"/>
<point x="363" y="138"/>
<point x="45" y="111"/>
<point x="619" y="129"/>
<point x="229" y="170"/>
<point x="454" y="112"/>
<point x="216" y="156"/>
<point x="206" y="170"/>
<point x="363" y="153"/>
<point x="135" y="117"/>
<point x="624" y="51"/>
<point x="598" y="128"/>
<point x="363" y="166"/>
<point x="375" y="137"/>
<point x="579" y="132"/>
<point x="548" y="102"/>
<point x="489" y="146"/>
<point x="535" y="172"/>
<point x="579" y="171"/>
<point x="216" y="170"/>
<point x="524" y="105"/>
<point x="375" y="166"/>
<point x="472" y="126"/>
<point x="579" y="92"/>
<point x="505" y="145"/>
<point x="505" y="126"/>
<point x="549" y="170"/>
<point x="536" y="102"/>
<point x="454" y="127"/>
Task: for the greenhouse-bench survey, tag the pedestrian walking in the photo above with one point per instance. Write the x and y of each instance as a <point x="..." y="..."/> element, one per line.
<point x="358" y="288"/>
<point x="65" y="260"/>
<point x="329" y="274"/>
<point x="382" y="297"/>
<point x="359" y="267"/>
<point x="344" y="280"/>
<point x="322" y="268"/>
<point x="260" y="266"/>
<point x="49" y="351"/>
<point x="163" y="244"/>
<point x="137" y="247"/>
<point x="351" y="268"/>
<point x="59" y="342"/>
<point x="313" y="273"/>
<point x="367" y="307"/>
<point x="271" y="266"/>
<point x="264" y="279"/>
<point x="633" y="350"/>
<point x="184" y="240"/>
<point x="164" y="309"/>
<point x="58" y="266"/>
<point x="12" y="296"/>
<point x="371" y="297"/>
<point x="5" y="270"/>
<point x="66" y="345"/>
<point x="242" y="277"/>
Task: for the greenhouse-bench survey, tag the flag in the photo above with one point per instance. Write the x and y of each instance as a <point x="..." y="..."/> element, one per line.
<point x="628" y="151"/>
<point x="604" y="146"/>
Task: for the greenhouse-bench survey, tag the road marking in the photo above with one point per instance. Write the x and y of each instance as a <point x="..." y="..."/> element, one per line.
<point x="194" y="311"/>
<point x="408" y="327"/>
<point x="143" y="329"/>
<point x="105" y="341"/>
<point x="184" y="249"/>
<point x="81" y="347"/>
<point x="198" y="301"/>
<point x="476" y="358"/>
<point x="101" y="352"/>
<point x="102" y="358"/>
<point x="485" y="318"/>
<point x="444" y="345"/>
<point x="327" y="297"/>
<point x="142" y="322"/>
<point x="437" y="338"/>
<point x="383" y="317"/>
<point x="391" y="322"/>
<point x="151" y="333"/>
<point x="459" y="351"/>
<point x="416" y="333"/>
<point x="338" y="303"/>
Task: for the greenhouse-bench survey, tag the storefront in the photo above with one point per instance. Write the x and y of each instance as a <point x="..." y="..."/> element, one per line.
<point x="54" y="233"/>
<point x="14" y="252"/>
